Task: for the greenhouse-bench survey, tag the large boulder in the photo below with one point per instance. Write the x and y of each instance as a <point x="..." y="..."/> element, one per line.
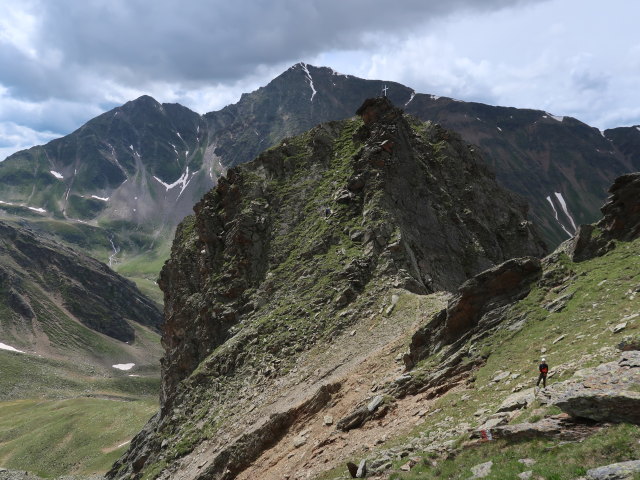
<point x="557" y="426"/>
<point x="615" y="471"/>
<point x="609" y="393"/>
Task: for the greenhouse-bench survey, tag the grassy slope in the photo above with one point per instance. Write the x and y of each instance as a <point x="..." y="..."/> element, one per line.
<point x="61" y="416"/>
<point x="77" y="436"/>
<point x="66" y="411"/>
<point x="602" y="296"/>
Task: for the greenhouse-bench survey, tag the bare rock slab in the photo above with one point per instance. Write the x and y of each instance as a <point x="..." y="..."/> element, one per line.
<point x="616" y="471"/>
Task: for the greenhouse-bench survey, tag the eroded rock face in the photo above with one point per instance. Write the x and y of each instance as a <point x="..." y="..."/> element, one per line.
<point x="299" y="245"/>
<point x="475" y="306"/>
<point x="557" y="426"/>
<point x="621" y="221"/>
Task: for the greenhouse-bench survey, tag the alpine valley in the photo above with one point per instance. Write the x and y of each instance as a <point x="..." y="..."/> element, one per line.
<point x="355" y="285"/>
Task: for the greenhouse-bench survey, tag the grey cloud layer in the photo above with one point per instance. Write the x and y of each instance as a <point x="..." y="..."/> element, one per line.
<point x="138" y="41"/>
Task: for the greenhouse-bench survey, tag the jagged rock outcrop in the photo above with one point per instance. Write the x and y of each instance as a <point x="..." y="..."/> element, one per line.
<point x="290" y="250"/>
<point x="620" y="221"/>
<point x="398" y="216"/>
<point x="475" y="307"/>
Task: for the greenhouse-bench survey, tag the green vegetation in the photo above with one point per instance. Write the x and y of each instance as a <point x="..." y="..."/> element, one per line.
<point x="600" y="294"/>
<point x="70" y="436"/>
<point x="555" y="460"/>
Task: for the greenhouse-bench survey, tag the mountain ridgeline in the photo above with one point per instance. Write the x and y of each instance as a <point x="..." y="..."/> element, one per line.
<point x="138" y="169"/>
<point x="290" y="252"/>
<point x="46" y="285"/>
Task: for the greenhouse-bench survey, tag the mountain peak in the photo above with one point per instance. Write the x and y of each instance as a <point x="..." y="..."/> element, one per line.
<point x="142" y="102"/>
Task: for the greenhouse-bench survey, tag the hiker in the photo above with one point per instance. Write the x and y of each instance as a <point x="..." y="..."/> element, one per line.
<point x="544" y="369"/>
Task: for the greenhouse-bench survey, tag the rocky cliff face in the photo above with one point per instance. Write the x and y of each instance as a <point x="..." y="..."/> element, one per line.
<point x="620" y="221"/>
<point x="289" y="254"/>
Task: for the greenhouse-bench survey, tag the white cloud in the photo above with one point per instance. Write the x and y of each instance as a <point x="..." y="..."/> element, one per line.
<point x="15" y="137"/>
<point x="70" y="60"/>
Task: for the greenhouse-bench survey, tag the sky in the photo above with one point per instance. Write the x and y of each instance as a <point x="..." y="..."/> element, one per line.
<point x="64" y="62"/>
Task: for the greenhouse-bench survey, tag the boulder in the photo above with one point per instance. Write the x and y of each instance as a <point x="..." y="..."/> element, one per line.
<point x="362" y="469"/>
<point x="616" y="471"/>
<point x="557" y="426"/>
<point x="482" y="470"/>
<point x="518" y="400"/>
<point x="611" y="393"/>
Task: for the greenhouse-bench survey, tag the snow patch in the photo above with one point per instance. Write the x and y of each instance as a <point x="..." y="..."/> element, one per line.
<point x="313" y="89"/>
<point x="183" y="180"/>
<point x="131" y="147"/>
<point x="115" y="251"/>
<point x="4" y="346"/>
<point x="557" y="118"/>
<point x="56" y="174"/>
<point x="124" y="366"/>
<point x="564" y="208"/>
<point x="179" y="136"/>
<point x="555" y="212"/>
<point x="39" y="210"/>
<point x="434" y="97"/>
<point x="104" y="199"/>
<point x="333" y="72"/>
<point x="413" y="94"/>
<point x="499" y="129"/>
<point x="638" y="128"/>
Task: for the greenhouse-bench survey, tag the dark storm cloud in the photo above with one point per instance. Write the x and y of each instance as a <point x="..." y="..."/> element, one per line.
<point x="139" y="41"/>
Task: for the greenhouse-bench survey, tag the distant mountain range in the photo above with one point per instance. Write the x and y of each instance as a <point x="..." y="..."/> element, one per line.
<point x="138" y="169"/>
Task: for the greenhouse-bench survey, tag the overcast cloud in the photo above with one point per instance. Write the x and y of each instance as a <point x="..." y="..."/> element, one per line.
<point x="63" y="62"/>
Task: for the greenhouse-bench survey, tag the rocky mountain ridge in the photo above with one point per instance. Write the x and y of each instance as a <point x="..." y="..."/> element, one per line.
<point x="279" y="384"/>
<point x="137" y="170"/>
<point x="292" y="251"/>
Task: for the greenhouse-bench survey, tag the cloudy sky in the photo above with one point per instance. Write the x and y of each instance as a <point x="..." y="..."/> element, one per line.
<point x="63" y="62"/>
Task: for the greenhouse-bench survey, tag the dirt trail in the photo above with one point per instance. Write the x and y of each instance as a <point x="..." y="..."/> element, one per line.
<point x="311" y="447"/>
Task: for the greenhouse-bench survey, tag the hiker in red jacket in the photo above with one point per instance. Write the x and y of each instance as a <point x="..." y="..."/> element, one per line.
<point x="544" y="369"/>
